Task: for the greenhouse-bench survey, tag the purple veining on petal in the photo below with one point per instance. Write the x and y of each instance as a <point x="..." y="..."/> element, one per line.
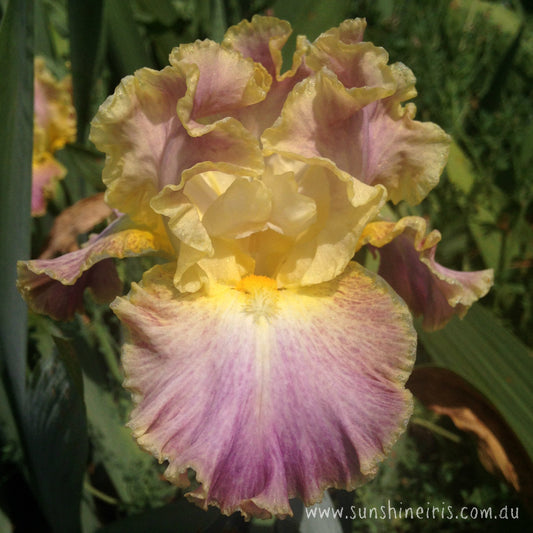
<point x="268" y="399"/>
<point x="407" y="263"/>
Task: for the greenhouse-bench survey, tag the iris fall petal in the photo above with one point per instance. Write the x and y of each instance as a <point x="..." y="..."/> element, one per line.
<point x="267" y="394"/>
<point x="55" y="286"/>
<point x="408" y="264"/>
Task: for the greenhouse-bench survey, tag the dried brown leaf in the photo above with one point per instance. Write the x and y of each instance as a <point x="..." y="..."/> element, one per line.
<point x="500" y="451"/>
<point x="73" y="221"/>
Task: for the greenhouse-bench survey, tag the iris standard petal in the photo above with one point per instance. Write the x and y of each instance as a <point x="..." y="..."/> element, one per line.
<point x="148" y="147"/>
<point x="262" y="40"/>
<point x="356" y="64"/>
<point x="362" y="129"/>
<point x="408" y="263"/>
<point x="343" y="207"/>
<point x="267" y="394"/>
<point x="219" y="81"/>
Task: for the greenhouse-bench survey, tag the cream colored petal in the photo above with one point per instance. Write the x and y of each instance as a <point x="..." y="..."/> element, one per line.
<point x="244" y="208"/>
<point x="292" y="212"/>
<point x="344" y="207"/>
<point x="228" y="264"/>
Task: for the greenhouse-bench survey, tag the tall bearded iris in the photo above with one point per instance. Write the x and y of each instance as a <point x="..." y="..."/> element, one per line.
<point x="54" y="126"/>
<point x="260" y="355"/>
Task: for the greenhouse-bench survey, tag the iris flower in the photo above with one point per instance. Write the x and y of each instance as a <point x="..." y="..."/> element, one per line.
<point x="260" y="355"/>
<point x="54" y="126"/>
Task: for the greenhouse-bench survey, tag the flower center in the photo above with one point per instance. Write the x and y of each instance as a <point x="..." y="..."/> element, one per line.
<point x="253" y="283"/>
<point x="262" y="296"/>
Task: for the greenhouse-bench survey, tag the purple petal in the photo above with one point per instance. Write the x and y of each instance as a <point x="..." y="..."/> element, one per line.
<point x="267" y="394"/>
<point x="408" y="265"/>
<point x="56" y="286"/>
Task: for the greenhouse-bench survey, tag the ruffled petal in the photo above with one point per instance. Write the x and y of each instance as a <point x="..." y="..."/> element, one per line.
<point x="343" y="207"/>
<point x="403" y="154"/>
<point x="46" y="171"/>
<point x="363" y="130"/>
<point x="292" y="212"/>
<point x="55" y="286"/>
<point x="54" y="114"/>
<point x="252" y="199"/>
<point x="408" y="264"/>
<point x="350" y="31"/>
<point x="137" y="127"/>
<point x="267" y="394"/>
<point x="317" y="122"/>
<point x="148" y="147"/>
<point x="299" y="224"/>
<point x="262" y="40"/>
<point x="356" y="64"/>
<point x="204" y="230"/>
<point x="219" y="81"/>
<point x="48" y="296"/>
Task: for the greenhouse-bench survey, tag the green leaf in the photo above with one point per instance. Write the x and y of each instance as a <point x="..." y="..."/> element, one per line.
<point x="134" y="473"/>
<point x="313" y="17"/>
<point x="219" y="23"/>
<point x="8" y="427"/>
<point x="83" y="166"/>
<point x="498" y="14"/>
<point x="163" y="12"/>
<point x="309" y="18"/>
<point x="385" y="8"/>
<point x="126" y="44"/>
<point x="55" y="427"/>
<point x="86" y="45"/>
<point x="492" y="99"/>
<point x="16" y="138"/>
<point x="49" y="413"/>
<point x="43" y="42"/>
<point x="483" y="352"/>
<point x="5" y="524"/>
<point x="487" y="236"/>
